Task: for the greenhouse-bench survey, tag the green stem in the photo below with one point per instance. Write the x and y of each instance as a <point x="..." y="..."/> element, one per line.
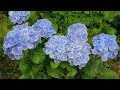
<point x="101" y="25"/>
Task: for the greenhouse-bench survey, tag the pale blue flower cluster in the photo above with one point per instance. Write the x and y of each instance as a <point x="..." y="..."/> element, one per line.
<point x="19" y="16"/>
<point x="22" y="37"/>
<point x="77" y="48"/>
<point x="44" y="28"/>
<point x="56" y="48"/>
<point x="105" y="45"/>
<point x="77" y="33"/>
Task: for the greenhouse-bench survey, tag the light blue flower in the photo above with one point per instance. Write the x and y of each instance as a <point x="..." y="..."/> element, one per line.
<point x="105" y="45"/>
<point x="77" y="48"/>
<point x="56" y="48"/>
<point x="19" y="16"/>
<point x="44" y="28"/>
<point x="22" y="37"/>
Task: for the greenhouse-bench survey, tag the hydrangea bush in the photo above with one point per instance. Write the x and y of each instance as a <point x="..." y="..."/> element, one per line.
<point x="69" y="45"/>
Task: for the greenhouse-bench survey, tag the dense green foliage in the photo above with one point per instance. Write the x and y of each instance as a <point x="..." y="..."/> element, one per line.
<point x="36" y="65"/>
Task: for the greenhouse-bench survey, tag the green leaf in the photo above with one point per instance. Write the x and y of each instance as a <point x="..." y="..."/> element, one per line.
<point x="93" y="66"/>
<point x="63" y="64"/>
<point x="99" y="65"/>
<point x="89" y="71"/>
<point x="25" y="66"/>
<point x="59" y="12"/>
<point x="106" y="14"/>
<point x="25" y="76"/>
<point x="86" y="19"/>
<point x="90" y="41"/>
<point x="110" y="15"/>
<point x="55" y="26"/>
<point x="69" y="67"/>
<point x="90" y="32"/>
<point x="35" y="71"/>
<point x="109" y="30"/>
<point x="72" y="73"/>
<point x="37" y="55"/>
<point x="33" y="18"/>
<point x="72" y="20"/>
<point x="115" y="13"/>
<point x="86" y="12"/>
<point x="44" y="15"/>
<point x="108" y="74"/>
<point x="53" y="65"/>
<point x="56" y="73"/>
<point x="110" y="19"/>
<point x="46" y="76"/>
<point x="98" y="18"/>
<point x="59" y="34"/>
<point x="96" y="30"/>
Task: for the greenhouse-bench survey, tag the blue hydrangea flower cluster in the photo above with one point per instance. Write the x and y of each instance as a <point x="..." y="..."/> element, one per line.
<point x="44" y="28"/>
<point x="77" y="32"/>
<point x="105" y="45"/>
<point x="22" y="37"/>
<point x="78" y="54"/>
<point x="56" y="48"/>
<point x="19" y="16"/>
<point x="77" y="48"/>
